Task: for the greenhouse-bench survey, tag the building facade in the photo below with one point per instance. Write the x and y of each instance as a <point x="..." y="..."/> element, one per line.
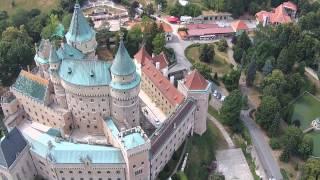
<point x="75" y="117"/>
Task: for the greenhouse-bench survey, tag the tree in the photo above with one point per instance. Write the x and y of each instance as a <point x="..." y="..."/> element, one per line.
<point x="222" y="45"/>
<point x="231" y="80"/>
<point x="237" y="53"/>
<point x="149" y="9"/>
<point x="158" y="43"/>
<point x="231" y="107"/>
<point x="19" y="18"/>
<point x="207" y="53"/>
<point x="267" y="68"/>
<point x="251" y="73"/>
<point x="306" y="146"/>
<point x="311" y="169"/>
<point x="162" y="3"/>
<point x="68" y="5"/>
<point x="266" y="113"/>
<point x="243" y="41"/>
<point x="50" y="28"/>
<point x="16" y="52"/>
<point x="133" y="40"/>
<point x="283" y="62"/>
<point x="66" y="19"/>
<point x="292" y="140"/>
<point x="276" y="77"/>
<point x="295" y="83"/>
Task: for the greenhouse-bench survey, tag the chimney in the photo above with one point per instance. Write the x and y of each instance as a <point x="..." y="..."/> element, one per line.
<point x="172" y="80"/>
<point x="158" y="65"/>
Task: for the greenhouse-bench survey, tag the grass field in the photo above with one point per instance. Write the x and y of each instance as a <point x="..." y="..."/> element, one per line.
<point x="305" y="109"/>
<point x="219" y="64"/>
<point x="43" y="5"/>
<point x="202" y="151"/>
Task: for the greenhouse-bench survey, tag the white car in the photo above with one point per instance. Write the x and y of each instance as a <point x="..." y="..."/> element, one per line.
<point x="215" y="93"/>
<point x="222" y="98"/>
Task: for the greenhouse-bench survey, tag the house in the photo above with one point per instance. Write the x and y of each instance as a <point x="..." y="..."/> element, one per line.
<point x="284" y="13"/>
<point x="209" y="16"/>
<point x="167" y="29"/>
<point x="239" y="27"/>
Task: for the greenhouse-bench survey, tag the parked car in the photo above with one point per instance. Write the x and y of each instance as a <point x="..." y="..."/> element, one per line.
<point x="222" y="98"/>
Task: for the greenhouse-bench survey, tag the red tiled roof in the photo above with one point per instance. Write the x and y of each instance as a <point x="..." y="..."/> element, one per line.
<point x="290" y="5"/>
<point x="201" y="26"/>
<point x="195" y="81"/>
<point x="162" y="58"/>
<point x="210" y="31"/>
<point x="280" y="15"/>
<point x="142" y="56"/>
<point x="163" y="84"/>
<point x="239" y="25"/>
<point x="261" y="14"/>
<point x="173" y="19"/>
<point x="166" y="27"/>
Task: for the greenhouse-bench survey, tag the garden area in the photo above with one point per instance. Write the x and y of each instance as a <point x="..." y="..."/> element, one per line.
<point x="305" y="109"/>
<point x="219" y="63"/>
<point x="11" y="5"/>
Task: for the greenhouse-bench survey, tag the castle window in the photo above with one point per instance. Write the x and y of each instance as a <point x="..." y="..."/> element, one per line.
<point x="118" y="172"/>
<point x="103" y="109"/>
<point x="103" y="100"/>
<point x="89" y="172"/>
<point x="70" y="172"/>
<point x="108" y="172"/>
<point x="95" y="127"/>
<point x="142" y="162"/>
<point x="61" y="172"/>
<point x="91" y="100"/>
<point x="80" y="172"/>
<point x="99" y="172"/>
<point x="134" y="166"/>
<point x="88" y="126"/>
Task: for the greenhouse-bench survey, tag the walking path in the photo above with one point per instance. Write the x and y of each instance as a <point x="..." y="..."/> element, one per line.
<point x="222" y="130"/>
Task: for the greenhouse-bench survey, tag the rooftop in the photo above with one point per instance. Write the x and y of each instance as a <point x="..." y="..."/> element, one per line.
<point x="31" y="85"/>
<point x="43" y="51"/>
<point x="162" y="83"/>
<point x="66" y="51"/>
<point x="201" y="26"/>
<point x="215" y="13"/>
<point x="79" y="30"/>
<point x="195" y="81"/>
<point x="279" y="15"/>
<point x="162" y="59"/>
<point x="10" y="147"/>
<point x="210" y="31"/>
<point x="239" y="25"/>
<point x="142" y="55"/>
<point x="61" y="151"/>
<point x="122" y="64"/>
<point x="85" y="72"/>
<point x="166" y="27"/>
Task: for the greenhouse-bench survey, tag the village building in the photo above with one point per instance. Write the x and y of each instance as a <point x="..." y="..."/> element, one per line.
<point x="75" y="117"/>
<point x="284" y="13"/>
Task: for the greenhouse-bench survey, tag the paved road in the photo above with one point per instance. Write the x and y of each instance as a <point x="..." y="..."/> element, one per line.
<point x="269" y="165"/>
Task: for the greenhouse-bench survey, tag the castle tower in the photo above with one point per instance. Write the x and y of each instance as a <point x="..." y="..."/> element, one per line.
<point x="196" y="86"/>
<point x="80" y="35"/>
<point x="125" y="87"/>
<point x="54" y="63"/>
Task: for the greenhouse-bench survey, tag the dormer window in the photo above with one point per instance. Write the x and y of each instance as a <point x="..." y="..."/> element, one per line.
<point x="91" y="73"/>
<point x="69" y="70"/>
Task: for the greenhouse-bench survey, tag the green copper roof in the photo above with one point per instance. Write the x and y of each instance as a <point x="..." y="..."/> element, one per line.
<point x="125" y="86"/>
<point x="122" y="65"/>
<point x="53" y="57"/>
<point x="130" y="140"/>
<point x="85" y="72"/>
<point x="30" y="87"/>
<point x="43" y="51"/>
<point x="71" y="153"/>
<point x="79" y="30"/>
<point x="68" y="52"/>
<point x="59" y="31"/>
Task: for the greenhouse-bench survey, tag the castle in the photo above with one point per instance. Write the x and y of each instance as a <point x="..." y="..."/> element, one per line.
<point x="75" y="117"/>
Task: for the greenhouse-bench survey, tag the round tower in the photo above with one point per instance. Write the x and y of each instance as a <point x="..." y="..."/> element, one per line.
<point x="54" y="64"/>
<point x="125" y="88"/>
<point x="80" y="35"/>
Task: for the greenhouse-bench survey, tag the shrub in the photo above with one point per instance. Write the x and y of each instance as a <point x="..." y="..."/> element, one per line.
<point x="275" y="143"/>
<point x="222" y="45"/>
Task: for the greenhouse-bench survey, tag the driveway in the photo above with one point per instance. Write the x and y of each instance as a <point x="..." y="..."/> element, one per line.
<point x="269" y="164"/>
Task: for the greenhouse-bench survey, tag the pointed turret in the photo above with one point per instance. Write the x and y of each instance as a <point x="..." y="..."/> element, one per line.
<point x="80" y="35"/>
<point x="122" y="65"/>
<point x="53" y="57"/>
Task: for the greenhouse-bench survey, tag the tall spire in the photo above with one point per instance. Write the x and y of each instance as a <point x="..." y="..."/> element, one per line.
<point x="79" y="30"/>
<point x="53" y="57"/>
<point x="123" y="64"/>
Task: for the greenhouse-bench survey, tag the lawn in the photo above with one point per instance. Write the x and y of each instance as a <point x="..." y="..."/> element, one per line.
<point x="219" y="64"/>
<point x="201" y="151"/>
<point x="43" y="5"/>
<point x="305" y="109"/>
